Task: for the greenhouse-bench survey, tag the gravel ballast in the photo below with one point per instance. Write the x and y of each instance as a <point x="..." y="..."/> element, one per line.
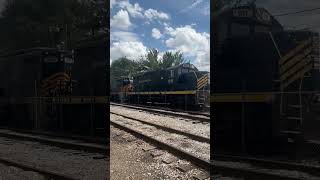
<point x="133" y="158"/>
<point x="14" y="173"/>
<point x="178" y="123"/>
<point x="73" y="163"/>
<point x="199" y="149"/>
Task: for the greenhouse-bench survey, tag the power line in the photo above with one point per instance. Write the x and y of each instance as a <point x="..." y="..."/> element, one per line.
<point x="297" y="12"/>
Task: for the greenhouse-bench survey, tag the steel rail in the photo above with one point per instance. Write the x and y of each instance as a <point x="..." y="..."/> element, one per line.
<point x="191" y="136"/>
<point x="274" y="164"/>
<point x="163" y="108"/>
<point x="211" y="166"/>
<point x="201" y="119"/>
<point x="87" y="139"/>
<point x="248" y="173"/>
<point x="59" y="143"/>
<point x="205" y="164"/>
<point x="47" y="173"/>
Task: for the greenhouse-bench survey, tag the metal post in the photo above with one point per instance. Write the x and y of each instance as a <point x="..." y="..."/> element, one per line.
<point x="185" y="102"/>
<point x="66" y="43"/>
<point x="165" y="100"/>
<point x="243" y="123"/>
<point x="149" y="97"/>
<point x="35" y="106"/>
<point x="60" y="114"/>
<point x="300" y="103"/>
<point x="91" y="119"/>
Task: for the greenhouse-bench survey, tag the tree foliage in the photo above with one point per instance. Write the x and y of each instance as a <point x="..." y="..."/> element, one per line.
<point x="124" y="67"/>
<point x="29" y="23"/>
<point x="151" y="60"/>
<point x="172" y="59"/>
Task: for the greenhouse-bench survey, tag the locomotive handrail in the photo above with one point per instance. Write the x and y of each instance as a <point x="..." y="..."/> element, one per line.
<point x="263" y="97"/>
<point x="266" y="92"/>
<point x="295" y="50"/>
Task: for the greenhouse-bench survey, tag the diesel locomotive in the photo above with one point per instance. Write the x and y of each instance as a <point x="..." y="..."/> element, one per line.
<point x="182" y="86"/>
<point x="46" y="89"/>
<point x="265" y="83"/>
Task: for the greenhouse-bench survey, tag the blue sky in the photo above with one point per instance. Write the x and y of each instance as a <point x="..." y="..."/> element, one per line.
<point x="184" y="25"/>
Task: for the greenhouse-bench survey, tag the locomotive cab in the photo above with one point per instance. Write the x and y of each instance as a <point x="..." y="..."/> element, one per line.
<point x="56" y="74"/>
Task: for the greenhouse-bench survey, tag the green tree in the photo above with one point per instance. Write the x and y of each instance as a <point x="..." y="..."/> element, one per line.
<point x="122" y="67"/>
<point x="30" y="23"/>
<point x="170" y="59"/>
<point x="151" y="61"/>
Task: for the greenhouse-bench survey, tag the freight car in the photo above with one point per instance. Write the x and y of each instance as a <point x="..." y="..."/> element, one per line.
<point x="265" y="82"/>
<point x="182" y="86"/>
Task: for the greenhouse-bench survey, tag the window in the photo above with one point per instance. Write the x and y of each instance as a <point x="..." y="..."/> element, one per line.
<point x="50" y="59"/>
<point x="68" y="60"/>
<point x="185" y="70"/>
<point x="171" y="73"/>
<point x="242" y="13"/>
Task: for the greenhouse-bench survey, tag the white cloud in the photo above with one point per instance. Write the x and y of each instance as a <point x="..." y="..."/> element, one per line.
<point x="123" y="36"/>
<point x="152" y="14"/>
<point x="206" y="10"/>
<point x="132" y="50"/>
<point x="192" y="43"/>
<point x="156" y="33"/>
<point x="194" y="4"/>
<point x="121" y="20"/>
<point x="169" y="30"/>
<point x="112" y="3"/>
<point x="134" y="9"/>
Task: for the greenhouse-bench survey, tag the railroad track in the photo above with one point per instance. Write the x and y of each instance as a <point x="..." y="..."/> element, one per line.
<point x="200" y="113"/>
<point x="87" y="139"/>
<point x="67" y="142"/>
<point x="273" y="164"/>
<point x="46" y="173"/>
<point x="216" y="167"/>
<point x="141" y="130"/>
<point x="50" y="162"/>
<point x="226" y="165"/>
<point x="188" y="115"/>
<point x="172" y="130"/>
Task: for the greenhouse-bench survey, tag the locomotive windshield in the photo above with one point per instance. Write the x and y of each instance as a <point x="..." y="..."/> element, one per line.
<point x="56" y="62"/>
